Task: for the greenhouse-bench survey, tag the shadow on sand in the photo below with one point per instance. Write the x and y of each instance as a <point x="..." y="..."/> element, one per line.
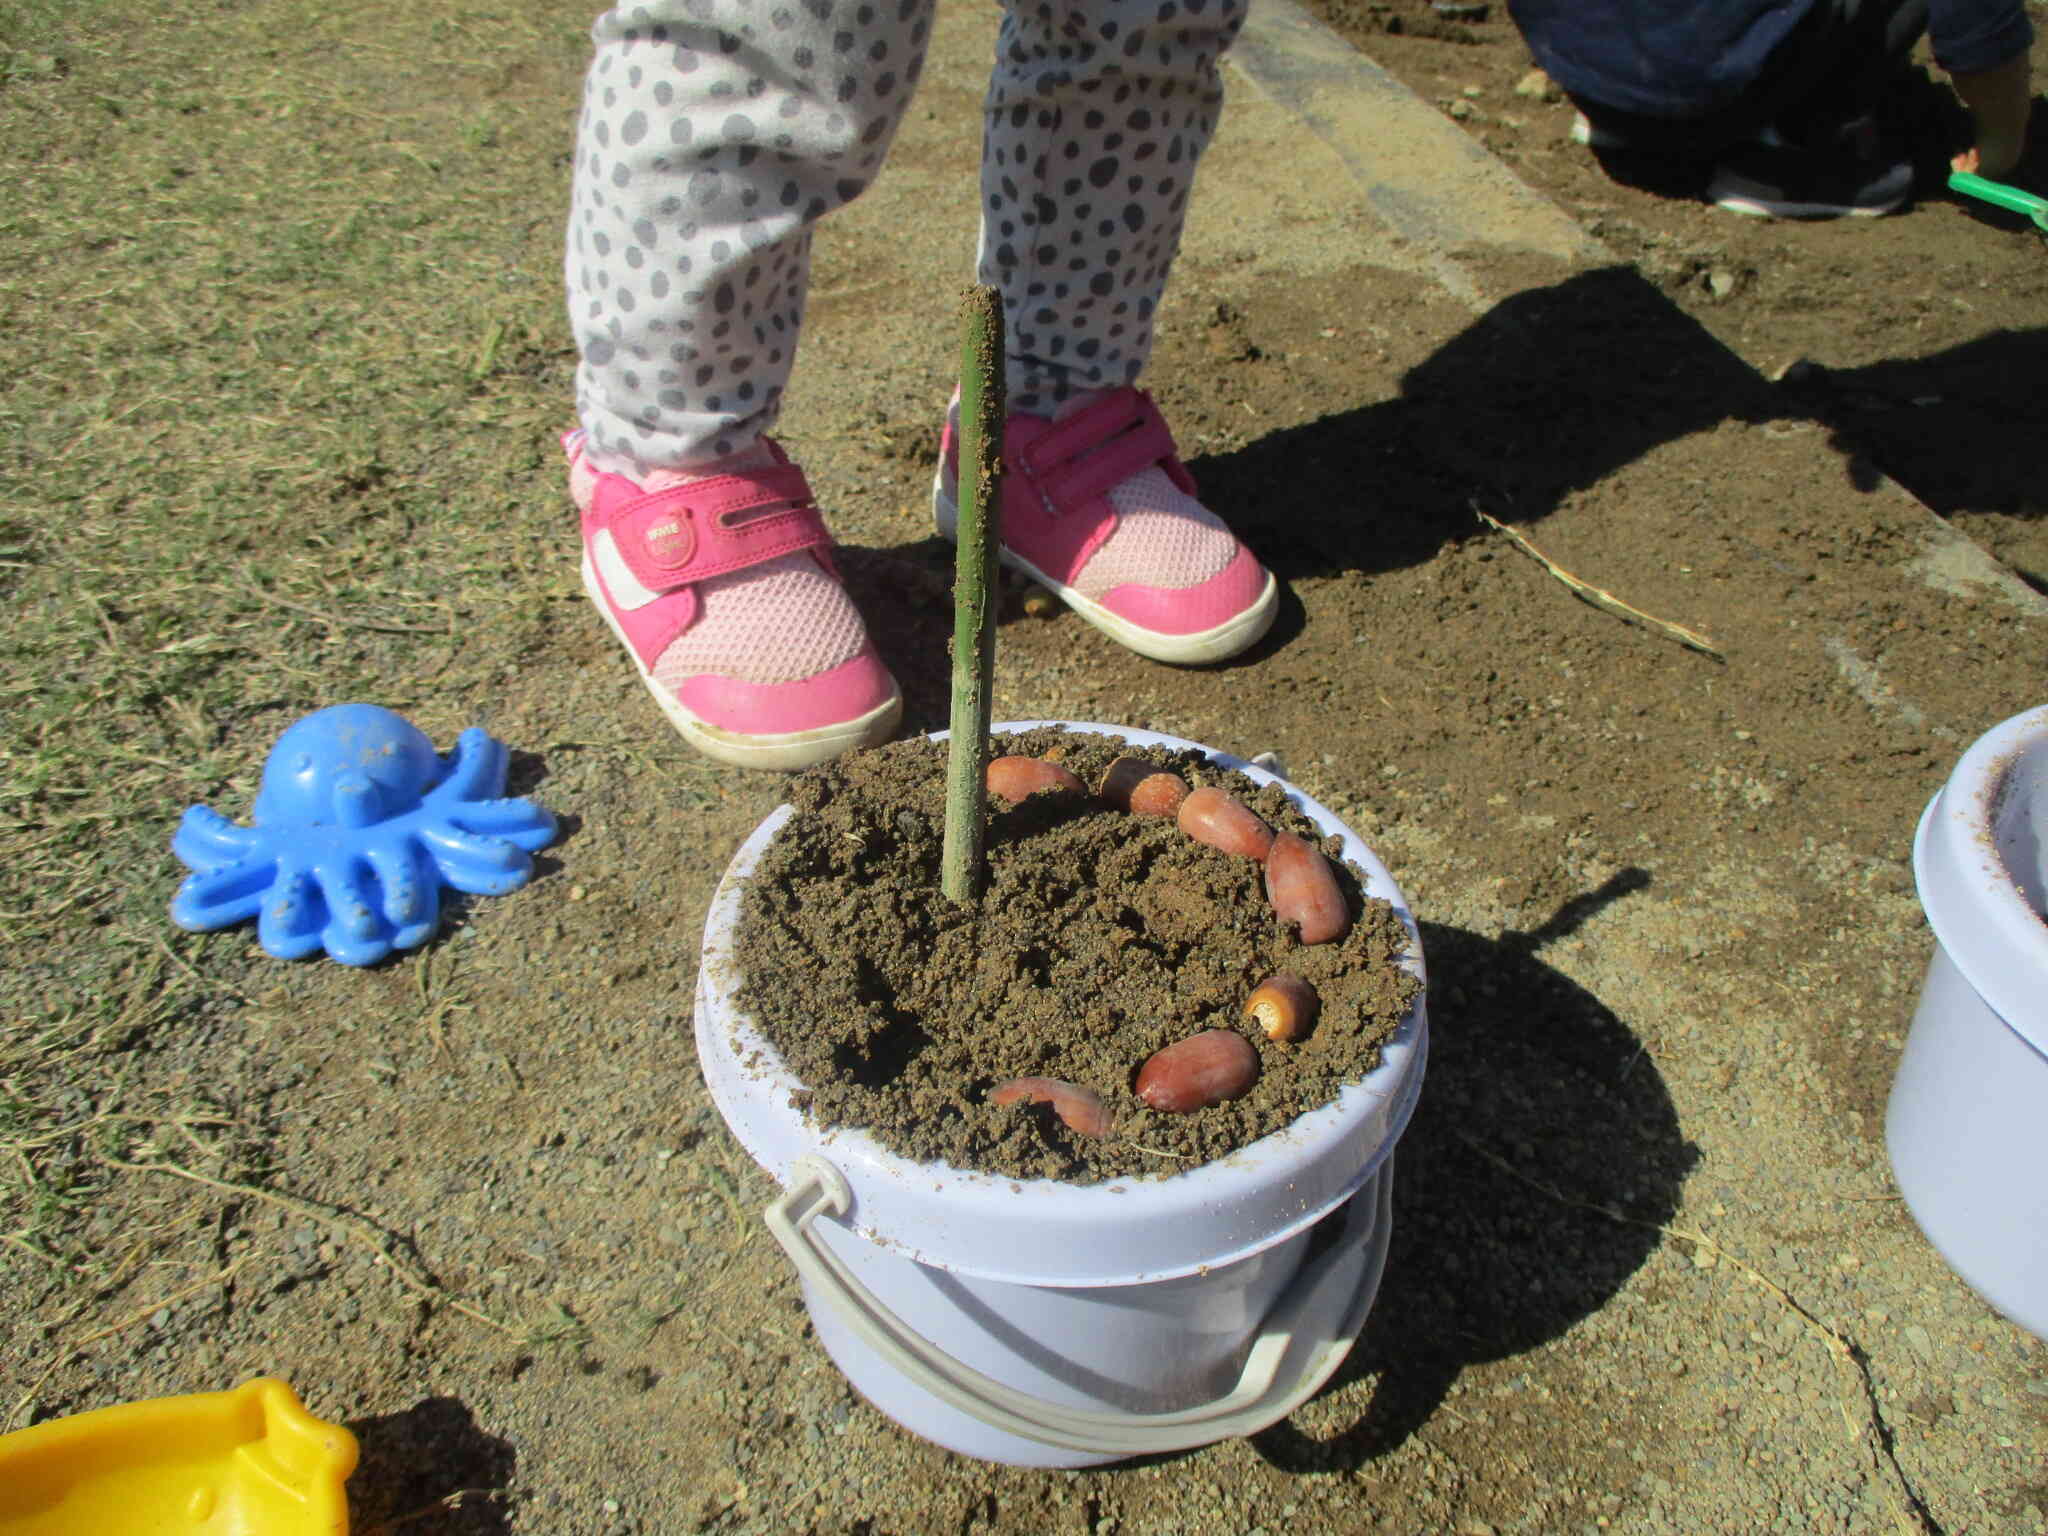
<point x="1543" y="1157"/>
<point x="430" y="1468"/>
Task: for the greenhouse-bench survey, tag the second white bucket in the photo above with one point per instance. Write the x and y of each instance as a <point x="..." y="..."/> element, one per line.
<point x="1057" y="1325"/>
<point x="1967" y="1125"/>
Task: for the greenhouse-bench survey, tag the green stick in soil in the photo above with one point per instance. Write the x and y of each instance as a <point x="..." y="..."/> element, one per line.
<point x="974" y="592"/>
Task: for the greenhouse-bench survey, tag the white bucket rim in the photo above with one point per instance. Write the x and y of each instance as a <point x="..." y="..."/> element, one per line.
<point x="1971" y="894"/>
<point x="1121" y="1232"/>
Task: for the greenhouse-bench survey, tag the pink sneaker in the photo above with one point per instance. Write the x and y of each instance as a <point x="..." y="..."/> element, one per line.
<point x="1098" y="507"/>
<point x="722" y="588"/>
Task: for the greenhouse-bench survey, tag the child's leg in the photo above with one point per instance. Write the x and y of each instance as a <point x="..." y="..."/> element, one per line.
<point x="1097" y="113"/>
<point x="1836" y="65"/>
<point x="714" y="134"/>
<point x="1868" y="44"/>
<point x="1820" y="148"/>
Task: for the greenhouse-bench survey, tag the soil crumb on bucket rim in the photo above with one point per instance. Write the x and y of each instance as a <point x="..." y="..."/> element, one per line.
<point x="1100" y="938"/>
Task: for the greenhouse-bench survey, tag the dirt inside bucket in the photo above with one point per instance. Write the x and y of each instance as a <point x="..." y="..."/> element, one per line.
<point x="1100" y="938"/>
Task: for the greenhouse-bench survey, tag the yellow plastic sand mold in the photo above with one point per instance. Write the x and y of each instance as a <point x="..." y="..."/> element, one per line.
<point x="248" y="1462"/>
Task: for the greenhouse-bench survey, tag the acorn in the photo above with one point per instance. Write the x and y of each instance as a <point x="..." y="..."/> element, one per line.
<point x="1285" y="1006"/>
<point x="1210" y="1068"/>
<point x="1019" y="778"/>
<point x="1304" y="891"/>
<point x="1080" y="1109"/>
<point x="1221" y="820"/>
<point x="1141" y="788"/>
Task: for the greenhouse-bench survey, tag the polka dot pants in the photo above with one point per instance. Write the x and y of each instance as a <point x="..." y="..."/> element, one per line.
<point x="716" y="133"/>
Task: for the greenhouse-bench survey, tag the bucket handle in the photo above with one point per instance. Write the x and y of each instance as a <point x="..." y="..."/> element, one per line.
<point x="1309" y="1330"/>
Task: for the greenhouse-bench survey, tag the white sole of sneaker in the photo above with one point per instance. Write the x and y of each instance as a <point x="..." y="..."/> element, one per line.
<point x="788" y="751"/>
<point x="1741" y="194"/>
<point x="1750" y="208"/>
<point x="1192" y="650"/>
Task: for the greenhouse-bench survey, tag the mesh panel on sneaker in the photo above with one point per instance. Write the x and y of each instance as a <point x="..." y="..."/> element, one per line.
<point x="772" y="623"/>
<point x="777" y="622"/>
<point x="1163" y="538"/>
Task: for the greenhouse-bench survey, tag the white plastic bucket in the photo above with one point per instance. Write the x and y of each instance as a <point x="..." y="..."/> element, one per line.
<point x="1967" y="1127"/>
<point x="1057" y="1325"/>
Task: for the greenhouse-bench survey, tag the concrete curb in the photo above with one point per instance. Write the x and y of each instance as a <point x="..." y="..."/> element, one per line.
<point x="1417" y="171"/>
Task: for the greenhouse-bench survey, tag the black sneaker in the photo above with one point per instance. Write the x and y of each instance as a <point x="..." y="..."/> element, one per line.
<point x="1661" y="168"/>
<point x="1846" y="172"/>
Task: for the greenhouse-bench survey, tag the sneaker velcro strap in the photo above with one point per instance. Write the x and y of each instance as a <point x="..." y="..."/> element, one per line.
<point x="709" y="527"/>
<point x="1085" y="455"/>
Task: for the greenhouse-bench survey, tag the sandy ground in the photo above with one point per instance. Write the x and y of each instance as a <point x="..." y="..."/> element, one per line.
<point x="1649" y="1271"/>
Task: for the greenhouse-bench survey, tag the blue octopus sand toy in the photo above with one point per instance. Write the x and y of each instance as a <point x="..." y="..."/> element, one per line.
<point x="358" y="825"/>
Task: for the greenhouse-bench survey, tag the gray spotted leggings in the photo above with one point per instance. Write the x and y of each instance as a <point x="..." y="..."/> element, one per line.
<point x="716" y="133"/>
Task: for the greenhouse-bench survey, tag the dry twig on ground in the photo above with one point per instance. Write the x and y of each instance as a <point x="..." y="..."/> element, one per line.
<point x="1600" y="597"/>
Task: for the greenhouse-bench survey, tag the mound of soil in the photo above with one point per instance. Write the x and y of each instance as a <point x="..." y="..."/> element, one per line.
<point x="1100" y="938"/>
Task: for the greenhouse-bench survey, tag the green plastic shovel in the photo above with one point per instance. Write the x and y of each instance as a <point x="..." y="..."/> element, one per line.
<point x="2001" y="195"/>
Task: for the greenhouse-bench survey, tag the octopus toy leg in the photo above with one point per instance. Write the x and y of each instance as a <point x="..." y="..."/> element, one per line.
<point x="355" y="933"/>
<point x="410" y="889"/>
<point x="517" y="821"/>
<point x="477" y="769"/>
<point x="205" y="839"/>
<point x="288" y="923"/>
<point x="231" y="893"/>
<point x="482" y="866"/>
